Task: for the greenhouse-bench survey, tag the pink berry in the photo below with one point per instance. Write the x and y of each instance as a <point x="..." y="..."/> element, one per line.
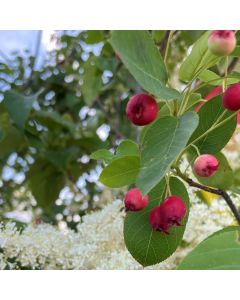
<point x="134" y="200"/>
<point x="205" y="165"/>
<point x="141" y="109"/>
<point x="170" y="212"/>
<point x="173" y="210"/>
<point x="231" y="98"/>
<point x="222" y="42"/>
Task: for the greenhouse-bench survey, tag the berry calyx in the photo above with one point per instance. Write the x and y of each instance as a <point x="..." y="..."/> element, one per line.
<point x="231" y="97"/>
<point x="170" y="213"/>
<point x="141" y="109"/>
<point x="134" y="200"/>
<point x="155" y="219"/>
<point x="205" y="165"/>
<point x="222" y="42"/>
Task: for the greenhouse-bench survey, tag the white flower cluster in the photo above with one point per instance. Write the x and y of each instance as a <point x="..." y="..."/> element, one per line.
<point x="98" y="242"/>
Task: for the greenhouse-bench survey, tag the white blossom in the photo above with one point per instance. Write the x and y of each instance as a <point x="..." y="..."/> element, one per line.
<point x="98" y="242"/>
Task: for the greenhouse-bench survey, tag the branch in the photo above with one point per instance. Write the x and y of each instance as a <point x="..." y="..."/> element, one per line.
<point x="219" y="192"/>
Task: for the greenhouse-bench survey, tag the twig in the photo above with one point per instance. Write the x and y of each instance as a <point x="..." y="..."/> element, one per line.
<point x="219" y="192"/>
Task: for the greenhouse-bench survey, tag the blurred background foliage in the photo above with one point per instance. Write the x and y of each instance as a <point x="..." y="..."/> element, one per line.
<point x="54" y="116"/>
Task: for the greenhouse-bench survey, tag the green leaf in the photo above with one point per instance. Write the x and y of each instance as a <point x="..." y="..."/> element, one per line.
<point x="94" y="36"/>
<point x="198" y="60"/>
<point x="102" y="154"/>
<point x="143" y="60"/>
<point x="127" y="148"/>
<point x="193" y="100"/>
<point x="45" y="182"/>
<point x="215" y="80"/>
<point x="120" y="172"/>
<point x="236" y="52"/>
<point x="52" y="119"/>
<point x="61" y="158"/>
<point x="18" y="107"/>
<point x="220" y="251"/>
<point x="214" y="141"/>
<point x="223" y="178"/>
<point x="162" y="143"/>
<point x="11" y="138"/>
<point x="208" y="75"/>
<point x="158" y="35"/>
<point x="147" y="246"/>
<point x="92" y="82"/>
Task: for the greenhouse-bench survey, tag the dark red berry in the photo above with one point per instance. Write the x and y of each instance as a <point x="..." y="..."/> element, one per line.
<point x="157" y="222"/>
<point x="141" y="109"/>
<point x="170" y="213"/>
<point x="231" y="98"/>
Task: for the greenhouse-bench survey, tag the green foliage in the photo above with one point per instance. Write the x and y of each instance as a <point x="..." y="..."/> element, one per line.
<point x="92" y="83"/>
<point x="18" y="107"/>
<point x="126" y="148"/>
<point x="212" y="78"/>
<point x="199" y="59"/>
<point x="102" y="154"/>
<point x="45" y="182"/>
<point x="56" y="127"/>
<point x="121" y="172"/>
<point x="220" y="251"/>
<point x="217" y="138"/>
<point x="162" y="143"/>
<point x="147" y="65"/>
<point x="150" y="247"/>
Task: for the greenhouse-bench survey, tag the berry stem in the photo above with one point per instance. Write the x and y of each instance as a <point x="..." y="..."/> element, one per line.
<point x="215" y="191"/>
<point x="196" y="148"/>
<point x="168" y="190"/>
<point x="224" y="84"/>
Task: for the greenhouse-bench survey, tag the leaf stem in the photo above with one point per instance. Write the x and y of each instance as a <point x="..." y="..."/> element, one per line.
<point x="168" y="45"/>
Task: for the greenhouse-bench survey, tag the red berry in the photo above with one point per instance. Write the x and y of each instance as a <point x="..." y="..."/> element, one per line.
<point x="156" y="220"/>
<point x="134" y="200"/>
<point x="222" y="42"/>
<point x="141" y="109"/>
<point x="173" y="210"/>
<point x="205" y="165"/>
<point x="170" y="212"/>
<point x="231" y="98"/>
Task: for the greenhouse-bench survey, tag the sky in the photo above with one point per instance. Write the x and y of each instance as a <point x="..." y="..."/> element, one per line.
<point x="12" y="40"/>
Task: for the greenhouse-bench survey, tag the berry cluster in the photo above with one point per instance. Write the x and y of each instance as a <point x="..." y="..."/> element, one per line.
<point x="142" y="109"/>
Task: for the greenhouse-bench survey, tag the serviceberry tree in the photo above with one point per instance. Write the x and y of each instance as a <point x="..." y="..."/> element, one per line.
<point x="176" y="124"/>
